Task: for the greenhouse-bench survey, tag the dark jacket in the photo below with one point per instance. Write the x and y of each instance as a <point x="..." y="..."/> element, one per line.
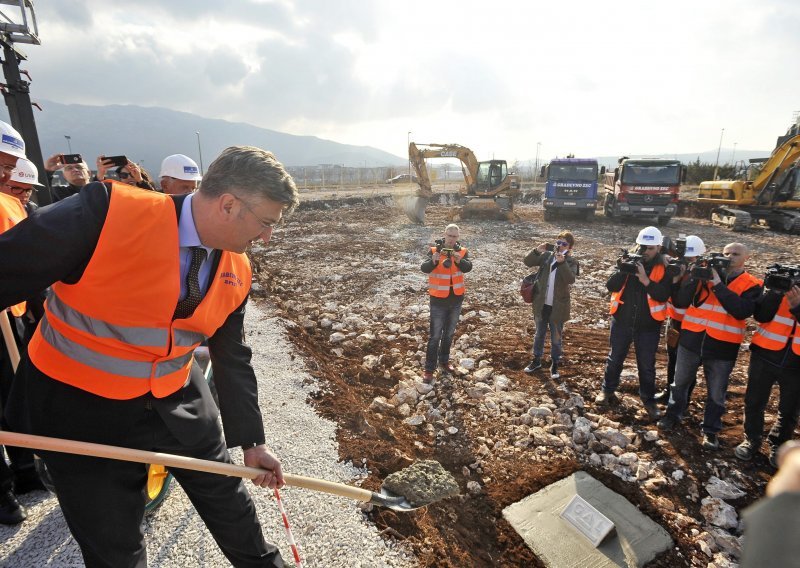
<point x="766" y="308"/>
<point x="692" y="292"/>
<point x="566" y="272"/>
<point x="59" y="192"/>
<point x="634" y="310"/>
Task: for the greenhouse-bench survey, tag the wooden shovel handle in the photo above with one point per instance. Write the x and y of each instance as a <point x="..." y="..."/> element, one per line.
<point x="171" y="460"/>
<point x="8" y="337"/>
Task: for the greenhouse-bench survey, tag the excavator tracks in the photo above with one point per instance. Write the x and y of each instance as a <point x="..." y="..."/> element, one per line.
<point x="735" y="219"/>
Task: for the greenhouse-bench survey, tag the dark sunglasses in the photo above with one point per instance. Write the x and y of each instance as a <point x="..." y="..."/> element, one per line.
<point x="562" y="243"/>
<point x="124" y="175"/>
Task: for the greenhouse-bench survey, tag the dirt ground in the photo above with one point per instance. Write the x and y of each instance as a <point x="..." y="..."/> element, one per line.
<point x="347" y="274"/>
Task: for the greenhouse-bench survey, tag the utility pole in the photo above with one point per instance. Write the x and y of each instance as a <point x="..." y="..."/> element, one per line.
<point x="716" y="164"/>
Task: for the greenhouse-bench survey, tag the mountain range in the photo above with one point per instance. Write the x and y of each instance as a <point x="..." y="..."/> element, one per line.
<point x="148" y="134"/>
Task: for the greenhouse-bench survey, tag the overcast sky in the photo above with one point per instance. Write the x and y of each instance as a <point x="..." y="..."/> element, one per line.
<point x="588" y="77"/>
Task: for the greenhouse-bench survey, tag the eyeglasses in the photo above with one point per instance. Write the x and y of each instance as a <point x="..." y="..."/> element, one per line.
<point x="265" y="225"/>
<point x="562" y="243"/>
<point x="124" y="175"/>
<point x="19" y="190"/>
<point x="77" y="168"/>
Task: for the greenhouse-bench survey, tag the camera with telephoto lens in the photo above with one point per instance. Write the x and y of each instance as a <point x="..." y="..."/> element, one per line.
<point x="782" y="277"/>
<point x="677" y="252"/>
<point x="628" y="261"/>
<point x="447" y="252"/>
<point x="704" y="264"/>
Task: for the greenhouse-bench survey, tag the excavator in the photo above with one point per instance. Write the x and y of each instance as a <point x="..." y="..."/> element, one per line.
<point x="489" y="191"/>
<point x="772" y="197"/>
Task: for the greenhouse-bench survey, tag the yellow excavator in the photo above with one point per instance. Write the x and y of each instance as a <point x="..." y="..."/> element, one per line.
<point x="771" y="198"/>
<point x="489" y="189"/>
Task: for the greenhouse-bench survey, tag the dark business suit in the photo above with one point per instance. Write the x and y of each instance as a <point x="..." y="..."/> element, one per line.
<point x="56" y="244"/>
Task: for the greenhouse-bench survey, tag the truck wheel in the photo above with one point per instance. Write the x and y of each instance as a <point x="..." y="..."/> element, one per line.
<point x="549" y="215"/>
<point x="663" y="221"/>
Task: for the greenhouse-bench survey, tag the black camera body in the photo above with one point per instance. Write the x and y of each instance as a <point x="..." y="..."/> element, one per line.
<point x="628" y="262"/>
<point x="447" y="252"/>
<point x="782" y="277"/>
<point x="704" y="264"/>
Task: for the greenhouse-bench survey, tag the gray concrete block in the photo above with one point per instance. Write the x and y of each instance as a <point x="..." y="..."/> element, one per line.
<point x="637" y="539"/>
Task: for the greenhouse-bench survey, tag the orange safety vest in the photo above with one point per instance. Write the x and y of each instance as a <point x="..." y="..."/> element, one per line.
<point x="11" y="213"/>
<point x="441" y="279"/>
<point x="712" y="318"/>
<point x="774" y="334"/>
<point x="658" y="310"/>
<point x="112" y="333"/>
<point x="675" y="313"/>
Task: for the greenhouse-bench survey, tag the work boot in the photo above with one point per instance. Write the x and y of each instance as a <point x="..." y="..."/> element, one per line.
<point x="27" y="480"/>
<point x="11" y="512"/>
<point x="554" y="374"/>
<point x="534" y="365"/>
<point x="710" y="442"/>
<point x="427" y="377"/>
<point x="662" y="397"/>
<point x="667" y="423"/>
<point x="606" y="397"/>
<point x="746" y="450"/>
<point x="652" y="412"/>
<point x="446" y="368"/>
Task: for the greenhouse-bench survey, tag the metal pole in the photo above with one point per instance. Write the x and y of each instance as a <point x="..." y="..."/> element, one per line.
<point x="536" y="170"/>
<point x="733" y="155"/>
<point x="200" y="151"/>
<point x="69" y="144"/>
<point x="716" y="164"/>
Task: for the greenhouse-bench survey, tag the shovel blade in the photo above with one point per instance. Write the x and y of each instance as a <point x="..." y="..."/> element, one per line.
<point x="391" y="501"/>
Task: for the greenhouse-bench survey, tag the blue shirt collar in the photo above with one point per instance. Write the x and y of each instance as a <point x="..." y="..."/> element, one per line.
<point x="187" y="231"/>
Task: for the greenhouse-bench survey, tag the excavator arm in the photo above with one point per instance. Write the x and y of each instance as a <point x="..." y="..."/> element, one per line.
<point x="781" y="159"/>
<point x="419" y="154"/>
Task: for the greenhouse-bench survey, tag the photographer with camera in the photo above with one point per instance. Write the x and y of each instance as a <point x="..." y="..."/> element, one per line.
<point x="445" y="266"/>
<point x="73" y="168"/>
<point x="683" y="253"/>
<point x="551" y="300"/>
<point x="719" y="296"/>
<point x="774" y="358"/>
<point x="639" y="290"/>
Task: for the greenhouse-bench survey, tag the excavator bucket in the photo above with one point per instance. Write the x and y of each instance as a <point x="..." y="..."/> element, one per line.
<point x="414" y="207"/>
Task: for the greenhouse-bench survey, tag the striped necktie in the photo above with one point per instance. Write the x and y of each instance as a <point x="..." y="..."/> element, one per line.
<point x="194" y="296"/>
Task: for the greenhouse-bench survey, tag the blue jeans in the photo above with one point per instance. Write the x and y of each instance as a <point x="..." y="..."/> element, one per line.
<point x="716" y="371"/>
<point x="543" y="321"/>
<point x="444" y="317"/>
<point x="645" y="343"/>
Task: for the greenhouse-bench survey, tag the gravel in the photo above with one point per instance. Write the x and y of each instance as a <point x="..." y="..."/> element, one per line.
<point x="330" y="531"/>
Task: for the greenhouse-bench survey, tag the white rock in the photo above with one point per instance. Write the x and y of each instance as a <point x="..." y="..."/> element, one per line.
<point x="718" y="513"/>
<point x="473" y="487"/>
<point x="467" y="363"/>
<point x="723" y="489"/>
<point x="628" y="459"/>
<point x="415" y="420"/>
<point x="336" y="337"/>
<point x="501" y="383"/>
<point x="380" y="404"/>
<point x="651" y="435"/>
<point x="678" y="474"/>
<point x="452" y="430"/>
<point x="404" y="410"/>
<point x="483" y="374"/>
<point x="478" y="390"/>
<point x="540" y="411"/>
<point x="370" y="361"/>
<point x="611" y="437"/>
<point x="423" y="388"/>
<point x="727" y="542"/>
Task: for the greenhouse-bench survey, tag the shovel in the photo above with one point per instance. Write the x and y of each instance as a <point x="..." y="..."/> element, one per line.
<point x="382" y="498"/>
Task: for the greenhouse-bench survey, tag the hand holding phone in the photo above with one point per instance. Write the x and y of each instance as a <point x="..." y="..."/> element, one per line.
<point x="115" y="161"/>
<point x="71" y="159"/>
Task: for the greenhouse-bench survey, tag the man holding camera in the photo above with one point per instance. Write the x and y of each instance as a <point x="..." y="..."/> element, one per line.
<point x="718" y="300"/>
<point x="639" y="292"/>
<point x="445" y="266"/>
<point x="774" y="358"/>
<point x="77" y="175"/>
<point x="551" y="302"/>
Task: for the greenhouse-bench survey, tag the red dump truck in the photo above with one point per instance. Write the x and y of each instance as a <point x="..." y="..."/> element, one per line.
<point x="643" y="187"/>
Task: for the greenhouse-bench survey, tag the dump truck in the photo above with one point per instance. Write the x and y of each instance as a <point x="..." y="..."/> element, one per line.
<point x="489" y="189"/>
<point x="643" y="187"/>
<point x="771" y="197"/>
<point x="570" y="186"/>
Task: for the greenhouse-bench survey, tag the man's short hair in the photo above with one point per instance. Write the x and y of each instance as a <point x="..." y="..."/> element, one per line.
<point x="452" y="226"/>
<point x="567" y="236"/>
<point x="250" y="171"/>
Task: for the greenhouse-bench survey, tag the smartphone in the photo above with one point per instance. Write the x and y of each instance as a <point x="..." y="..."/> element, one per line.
<point x="71" y="158"/>
<point x="550" y="247"/>
<point x="116" y="160"/>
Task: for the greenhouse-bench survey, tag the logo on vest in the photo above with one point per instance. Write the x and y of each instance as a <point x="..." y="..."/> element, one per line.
<point x="230" y="279"/>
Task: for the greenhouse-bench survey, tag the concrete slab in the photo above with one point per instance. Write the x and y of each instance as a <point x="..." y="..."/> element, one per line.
<point x="637" y="539"/>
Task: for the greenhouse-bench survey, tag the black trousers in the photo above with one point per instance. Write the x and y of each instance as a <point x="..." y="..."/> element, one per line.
<point x="103" y="500"/>
<point x="761" y="376"/>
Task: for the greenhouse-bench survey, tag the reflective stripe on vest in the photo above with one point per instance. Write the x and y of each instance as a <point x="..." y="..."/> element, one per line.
<point x="712" y="318"/>
<point x="658" y="310"/>
<point x="775" y="334"/>
<point x="112" y="333"/>
<point x="675" y="313"/>
<point x="441" y="278"/>
<point x="11" y="213"/>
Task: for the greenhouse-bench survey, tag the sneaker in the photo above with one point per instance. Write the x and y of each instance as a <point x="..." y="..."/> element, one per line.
<point x="427" y="377"/>
<point x="534" y="365"/>
<point x="667" y="423"/>
<point x="554" y="374"/>
<point x="746" y="450"/>
<point x="662" y="397"/>
<point x="652" y="412"/>
<point x="11" y="512"/>
<point x="773" y="456"/>
<point x="606" y="397"/>
<point x="710" y="442"/>
<point x="446" y="368"/>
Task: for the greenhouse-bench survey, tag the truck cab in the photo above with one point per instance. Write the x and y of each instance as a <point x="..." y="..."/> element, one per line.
<point x="571" y="185"/>
<point x="648" y="187"/>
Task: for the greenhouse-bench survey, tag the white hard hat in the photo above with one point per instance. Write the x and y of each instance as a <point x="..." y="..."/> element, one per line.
<point x="26" y="172"/>
<point x="10" y="141"/>
<point x="179" y="166"/>
<point x="694" y="246"/>
<point x="649" y="236"/>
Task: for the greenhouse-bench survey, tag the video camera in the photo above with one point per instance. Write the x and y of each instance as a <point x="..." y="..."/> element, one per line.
<point x="703" y="265"/>
<point x="628" y="261"/>
<point x="677" y="251"/>
<point x="448" y="252"/>
<point x="782" y="277"/>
